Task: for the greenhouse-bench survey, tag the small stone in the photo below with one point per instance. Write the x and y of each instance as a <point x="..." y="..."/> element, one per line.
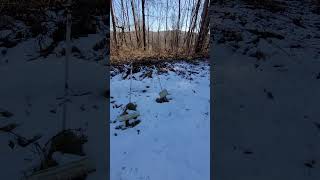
<point x="247" y="152"/>
<point x="131" y="106"/>
<point x="4" y="52"/>
<point x="82" y="108"/>
<point x="11" y="144"/>
<point x="6" y="114"/>
<point x="309" y="164"/>
<point x="9" y="127"/>
<point x="317" y="125"/>
<point x="95" y="107"/>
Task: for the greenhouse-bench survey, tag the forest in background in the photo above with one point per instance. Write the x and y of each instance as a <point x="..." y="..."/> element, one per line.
<point x="164" y="29"/>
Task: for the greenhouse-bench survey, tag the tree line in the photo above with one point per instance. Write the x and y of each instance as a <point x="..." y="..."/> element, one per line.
<point x="162" y="26"/>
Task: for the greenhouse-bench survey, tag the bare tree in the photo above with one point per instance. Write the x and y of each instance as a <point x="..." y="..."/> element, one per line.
<point x="165" y="38"/>
<point x="178" y="25"/>
<point x="172" y="27"/>
<point x="123" y="23"/>
<point x="135" y="23"/>
<point x="114" y="27"/>
<point x="128" y="23"/>
<point x="143" y="26"/>
<point x="204" y="28"/>
<point x="193" y="23"/>
<point x="148" y="35"/>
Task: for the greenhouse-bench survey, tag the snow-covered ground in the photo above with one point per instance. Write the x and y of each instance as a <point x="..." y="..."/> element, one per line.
<point x="172" y="140"/>
<point x="31" y="91"/>
<point x="266" y="123"/>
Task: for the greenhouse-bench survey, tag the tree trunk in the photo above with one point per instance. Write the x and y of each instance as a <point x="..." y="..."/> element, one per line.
<point x="124" y="24"/>
<point x="204" y="28"/>
<point x="193" y="24"/>
<point x="128" y="23"/>
<point x="143" y="26"/>
<point x="148" y="34"/>
<point x="166" y="33"/>
<point x="114" y="28"/>
<point x="135" y="24"/>
<point x="178" y="26"/>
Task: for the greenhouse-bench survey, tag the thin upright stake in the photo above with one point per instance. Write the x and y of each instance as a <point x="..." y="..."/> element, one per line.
<point x="130" y="82"/>
<point x="158" y="77"/>
<point x="66" y="78"/>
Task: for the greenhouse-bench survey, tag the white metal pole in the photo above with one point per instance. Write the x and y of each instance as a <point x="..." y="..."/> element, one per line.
<point x="67" y="53"/>
<point x="130" y="82"/>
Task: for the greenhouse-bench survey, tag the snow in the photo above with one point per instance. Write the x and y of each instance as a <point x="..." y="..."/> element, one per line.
<point x="31" y="91"/>
<point x="257" y="136"/>
<point x="172" y="140"/>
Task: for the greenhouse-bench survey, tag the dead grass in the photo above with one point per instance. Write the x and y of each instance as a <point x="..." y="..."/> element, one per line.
<point x="317" y="6"/>
<point x="271" y="5"/>
<point x="19" y="9"/>
<point x="24" y="4"/>
<point x="127" y="55"/>
<point x="13" y="7"/>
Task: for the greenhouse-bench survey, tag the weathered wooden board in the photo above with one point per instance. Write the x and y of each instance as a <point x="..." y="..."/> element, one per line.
<point x="128" y="116"/>
<point x="65" y="171"/>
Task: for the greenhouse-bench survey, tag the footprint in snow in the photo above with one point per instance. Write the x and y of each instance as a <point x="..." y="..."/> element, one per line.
<point x="95" y="107"/>
<point x="269" y="94"/>
<point x="310" y="164"/>
<point x="317" y="125"/>
<point x="247" y="152"/>
<point x="53" y="111"/>
<point x="82" y="107"/>
<point x="5" y="113"/>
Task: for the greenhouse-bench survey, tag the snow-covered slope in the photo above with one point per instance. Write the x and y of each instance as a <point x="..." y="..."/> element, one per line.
<point x="172" y="140"/>
<point x="266" y="123"/>
<point x="32" y="91"/>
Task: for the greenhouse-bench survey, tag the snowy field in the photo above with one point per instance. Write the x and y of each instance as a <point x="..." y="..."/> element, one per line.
<point x="31" y="91"/>
<point x="172" y="141"/>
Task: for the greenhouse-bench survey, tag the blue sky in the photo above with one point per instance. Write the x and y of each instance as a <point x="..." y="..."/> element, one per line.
<point x="156" y="12"/>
